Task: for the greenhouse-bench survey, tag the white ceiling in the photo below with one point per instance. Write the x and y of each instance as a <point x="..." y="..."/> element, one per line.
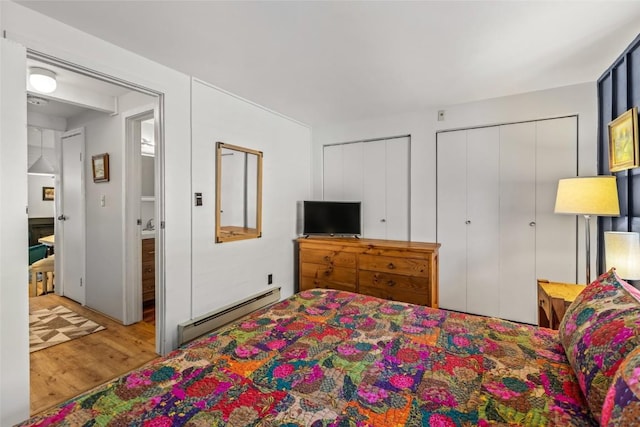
<point x="322" y="62"/>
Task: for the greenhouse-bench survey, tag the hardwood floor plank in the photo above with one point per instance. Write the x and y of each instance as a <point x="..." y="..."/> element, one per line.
<point x="68" y="369"/>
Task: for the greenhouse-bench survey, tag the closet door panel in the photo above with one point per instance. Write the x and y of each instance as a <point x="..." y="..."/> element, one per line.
<point x="483" y="199"/>
<point x="556" y="158"/>
<point x="397" y="189"/>
<point x="451" y="218"/>
<point x="352" y="165"/>
<point x="332" y="172"/>
<point x="517" y="222"/>
<point x="374" y="191"/>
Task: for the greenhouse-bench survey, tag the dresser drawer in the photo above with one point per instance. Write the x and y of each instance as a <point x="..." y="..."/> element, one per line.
<point x="390" y="281"/>
<point x="396" y="295"/>
<point x="322" y="276"/>
<point x="324" y="257"/>
<point x="395" y="265"/>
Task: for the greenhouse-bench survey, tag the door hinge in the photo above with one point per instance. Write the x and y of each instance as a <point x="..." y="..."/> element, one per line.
<point x="162" y="224"/>
<point x="81" y="156"/>
<point x="81" y="282"/>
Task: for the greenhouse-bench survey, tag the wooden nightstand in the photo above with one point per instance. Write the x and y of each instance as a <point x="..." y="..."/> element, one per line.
<point x="553" y="300"/>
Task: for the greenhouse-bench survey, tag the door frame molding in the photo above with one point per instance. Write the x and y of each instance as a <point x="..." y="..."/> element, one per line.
<point x="131" y="192"/>
<point x="159" y="176"/>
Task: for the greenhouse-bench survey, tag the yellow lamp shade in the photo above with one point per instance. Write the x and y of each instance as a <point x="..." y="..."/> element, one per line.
<point x="595" y="195"/>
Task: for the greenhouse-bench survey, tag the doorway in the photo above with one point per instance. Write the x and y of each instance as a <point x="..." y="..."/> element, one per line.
<point x="95" y="107"/>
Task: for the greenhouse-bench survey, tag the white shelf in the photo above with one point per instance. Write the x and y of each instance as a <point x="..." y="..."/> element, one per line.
<point x="147" y="199"/>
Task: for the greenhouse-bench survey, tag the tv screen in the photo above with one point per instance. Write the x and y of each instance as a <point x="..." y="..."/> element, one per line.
<point x="323" y="217"/>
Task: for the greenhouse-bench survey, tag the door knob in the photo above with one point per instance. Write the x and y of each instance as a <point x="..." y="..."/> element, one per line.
<point x="532" y="224"/>
<point x="62" y="218"/>
<point x="383" y="220"/>
<point x="467" y="222"/>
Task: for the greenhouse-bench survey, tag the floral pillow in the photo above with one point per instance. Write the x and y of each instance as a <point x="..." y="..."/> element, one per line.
<point x="599" y="329"/>
<point x="622" y="403"/>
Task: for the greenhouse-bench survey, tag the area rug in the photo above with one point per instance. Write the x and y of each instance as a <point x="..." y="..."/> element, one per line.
<point x="52" y="326"/>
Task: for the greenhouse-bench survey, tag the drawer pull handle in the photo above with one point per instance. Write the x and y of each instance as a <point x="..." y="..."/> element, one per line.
<point x="541" y="302"/>
<point x="391" y="266"/>
<point x="391" y="283"/>
<point x="327" y="258"/>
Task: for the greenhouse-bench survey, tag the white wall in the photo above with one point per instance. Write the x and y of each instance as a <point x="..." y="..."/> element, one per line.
<point x="14" y="308"/>
<point x="226" y="272"/>
<point x="423" y="125"/>
<point x="39" y="208"/>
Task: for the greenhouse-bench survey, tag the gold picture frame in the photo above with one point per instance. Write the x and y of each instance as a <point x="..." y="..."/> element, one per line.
<point x="48" y="193"/>
<point x="100" y="167"/>
<point x="623" y="141"/>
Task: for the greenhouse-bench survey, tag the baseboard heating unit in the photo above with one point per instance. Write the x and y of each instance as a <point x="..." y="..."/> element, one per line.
<point x="195" y="328"/>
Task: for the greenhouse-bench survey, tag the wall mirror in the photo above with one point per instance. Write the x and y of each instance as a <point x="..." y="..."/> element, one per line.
<point x="238" y="193"/>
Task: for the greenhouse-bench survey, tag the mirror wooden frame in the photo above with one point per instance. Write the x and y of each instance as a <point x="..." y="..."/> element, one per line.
<point x="230" y="233"/>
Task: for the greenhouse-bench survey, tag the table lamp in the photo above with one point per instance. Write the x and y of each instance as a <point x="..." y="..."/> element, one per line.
<point x="622" y="251"/>
<point x="587" y="196"/>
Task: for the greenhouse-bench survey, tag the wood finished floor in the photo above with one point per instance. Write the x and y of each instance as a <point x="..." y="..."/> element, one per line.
<point x="68" y="369"/>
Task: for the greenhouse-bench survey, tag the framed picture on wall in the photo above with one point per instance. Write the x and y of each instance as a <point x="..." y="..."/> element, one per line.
<point x="48" y="193"/>
<point x="100" y="167"/>
<point x="623" y="141"/>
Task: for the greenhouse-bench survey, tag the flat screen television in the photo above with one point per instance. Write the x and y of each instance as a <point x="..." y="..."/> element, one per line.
<point x="327" y="217"/>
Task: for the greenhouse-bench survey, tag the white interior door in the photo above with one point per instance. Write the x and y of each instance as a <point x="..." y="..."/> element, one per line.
<point x="374" y="215"/>
<point x="70" y="241"/>
<point x="517" y="222"/>
<point x="352" y="164"/>
<point x="397" y="188"/>
<point x="483" y="201"/>
<point x="556" y="154"/>
<point x="452" y="218"/>
<point x="332" y="172"/>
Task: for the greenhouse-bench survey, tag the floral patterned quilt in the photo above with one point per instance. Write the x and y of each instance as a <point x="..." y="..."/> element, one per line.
<point x="330" y="358"/>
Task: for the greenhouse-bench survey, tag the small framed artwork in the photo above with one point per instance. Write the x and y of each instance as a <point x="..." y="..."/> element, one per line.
<point x="48" y="193"/>
<point x="623" y="141"/>
<point x="100" y="166"/>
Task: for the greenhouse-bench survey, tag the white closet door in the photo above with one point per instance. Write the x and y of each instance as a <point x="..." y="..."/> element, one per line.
<point x="517" y="222"/>
<point x="352" y="164"/>
<point x="332" y="172"/>
<point x="556" y="154"/>
<point x="451" y="219"/>
<point x="397" y="189"/>
<point x="374" y="195"/>
<point x="483" y="199"/>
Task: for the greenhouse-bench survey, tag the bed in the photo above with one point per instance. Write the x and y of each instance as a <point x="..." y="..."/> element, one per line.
<point x="333" y="358"/>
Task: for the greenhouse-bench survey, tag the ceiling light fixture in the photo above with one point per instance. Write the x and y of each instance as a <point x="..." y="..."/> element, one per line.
<point x="42" y="80"/>
<point x="42" y="165"/>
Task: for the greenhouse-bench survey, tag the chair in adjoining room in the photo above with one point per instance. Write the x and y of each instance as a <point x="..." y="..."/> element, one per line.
<point x="39" y="264"/>
<point x="44" y="266"/>
<point x="37" y="252"/>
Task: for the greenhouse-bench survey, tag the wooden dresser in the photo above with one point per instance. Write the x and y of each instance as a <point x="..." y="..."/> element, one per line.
<point x="148" y="270"/>
<point x="395" y="270"/>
